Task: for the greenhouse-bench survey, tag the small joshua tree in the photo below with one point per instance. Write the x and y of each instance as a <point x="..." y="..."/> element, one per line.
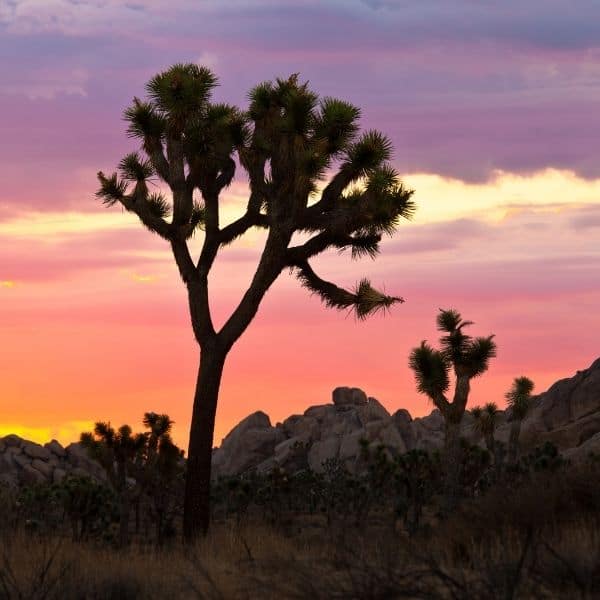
<point x="486" y="419"/>
<point x="309" y="172"/>
<point x="120" y="453"/>
<point x="467" y="357"/>
<point x="519" y="402"/>
<point x="162" y="469"/>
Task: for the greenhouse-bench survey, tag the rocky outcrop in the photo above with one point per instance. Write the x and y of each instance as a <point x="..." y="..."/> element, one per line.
<point x="567" y="414"/>
<point x="25" y="463"/>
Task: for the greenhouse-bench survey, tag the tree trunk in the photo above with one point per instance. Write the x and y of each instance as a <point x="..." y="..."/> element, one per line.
<point x="452" y="457"/>
<point x="513" y="441"/>
<point x="196" y="511"/>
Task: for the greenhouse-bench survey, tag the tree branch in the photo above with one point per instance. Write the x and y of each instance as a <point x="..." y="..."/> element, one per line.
<point x="182" y="192"/>
<point x="241" y="225"/>
<point x="365" y="300"/>
<point x="155" y="152"/>
<point x="270" y="266"/>
<point x="329" y="196"/>
<point x="326" y="239"/>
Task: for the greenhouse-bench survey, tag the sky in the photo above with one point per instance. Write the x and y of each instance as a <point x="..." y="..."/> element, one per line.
<point x="493" y="111"/>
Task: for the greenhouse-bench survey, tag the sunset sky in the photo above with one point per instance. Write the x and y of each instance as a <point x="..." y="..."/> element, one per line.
<point x="494" y="111"/>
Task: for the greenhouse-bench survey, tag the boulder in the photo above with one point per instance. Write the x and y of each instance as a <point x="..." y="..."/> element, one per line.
<point x="322" y="451"/>
<point x="321" y="413"/>
<point x="302" y="427"/>
<point x="350" y="445"/>
<point x="2" y="446"/>
<point x="31" y="476"/>
<point x="13" y="440"/>
<point x="574" y="434"/>
<point x="56" y="449"/>
<point x="284" y="448"/>
<point x="5" y="464"/>
<point x="392" y="440"/>
<point x="248" y="444"/>
<point x="372" y="429"/>
<point x="21" y="460"/>
<point x="43" y="467"/>
<point x="590" y="447"/>
<point x="34" y="450"/>
<point x="403" y="423"/>
<point x="373" y="410"/>
<point x="257" y="420"/>
<point x="345" y="422"/>
<point x="347" y="396"/>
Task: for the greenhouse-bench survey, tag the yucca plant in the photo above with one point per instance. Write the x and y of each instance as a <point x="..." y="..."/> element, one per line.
<point x="485" y="420"/>
<point x="310" y="172"/>
<point x="467" y="358"/>
<point x="518" y="400"/>
<point x="162" y="469"/>
<point x="120" y="452"/>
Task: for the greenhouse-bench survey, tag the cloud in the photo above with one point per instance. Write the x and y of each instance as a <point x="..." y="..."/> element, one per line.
<point x="45" y="85"/>
<point x="463" y="90"/>
<point x="586" y="218"/>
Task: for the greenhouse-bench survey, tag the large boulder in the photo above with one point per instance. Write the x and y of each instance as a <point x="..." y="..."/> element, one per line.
<point x="373" y="410"/>
<point x="347" y="396"/>
<point x="321" y="413"/>
<point x="402" y="420"/>
<point x="247" y="445"/>
<point x="34" y="450"/>
<point x="302" y="427"/>
<point x="13" y="440"/>
<point x="56" y="449"/>
<point x="257" y="420"/>
<point x="31" y="476"/>
<point x="392" y="440"/>
<point x="322" y="451"/>
<point x="43" y="467"/>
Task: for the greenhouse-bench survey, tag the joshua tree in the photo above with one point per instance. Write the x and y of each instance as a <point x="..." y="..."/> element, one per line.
<point x="120" y="453"/>
<point x="485" y="422"/>
<point x="519" y="401"/>
<point x="289" y="143"/>
<point x="468" y="357"/>
<point x="163" y="466"/>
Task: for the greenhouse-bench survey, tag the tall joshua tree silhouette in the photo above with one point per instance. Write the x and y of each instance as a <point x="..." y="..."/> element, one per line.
<point x="288" y="142"/>
<point x="467" y="357"/>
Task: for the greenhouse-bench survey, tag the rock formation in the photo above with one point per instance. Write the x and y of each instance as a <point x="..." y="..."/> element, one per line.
<point x="23" y="462"/>
<point x="567" y="414"/>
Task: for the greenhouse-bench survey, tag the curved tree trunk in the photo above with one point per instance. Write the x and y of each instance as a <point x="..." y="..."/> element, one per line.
<point x="513" y="441"/>
<point x="452" y="457"/>
<point x="196" y="512"/>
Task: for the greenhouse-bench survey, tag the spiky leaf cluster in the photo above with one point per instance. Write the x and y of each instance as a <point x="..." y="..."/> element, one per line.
<point x="485" y="417"/>
<point x="310" y="170"/>
<point x="468" y="355"/>
<point x="431" y="368"/>
<point x="519" y="397"/>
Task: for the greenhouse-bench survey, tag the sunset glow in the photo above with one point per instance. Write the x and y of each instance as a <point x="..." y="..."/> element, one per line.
<point x="93" y="315"/>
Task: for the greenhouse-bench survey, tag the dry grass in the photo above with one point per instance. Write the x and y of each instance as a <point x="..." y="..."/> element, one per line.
<point x="258" y="562"/>
<point x="539" y="540"/>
